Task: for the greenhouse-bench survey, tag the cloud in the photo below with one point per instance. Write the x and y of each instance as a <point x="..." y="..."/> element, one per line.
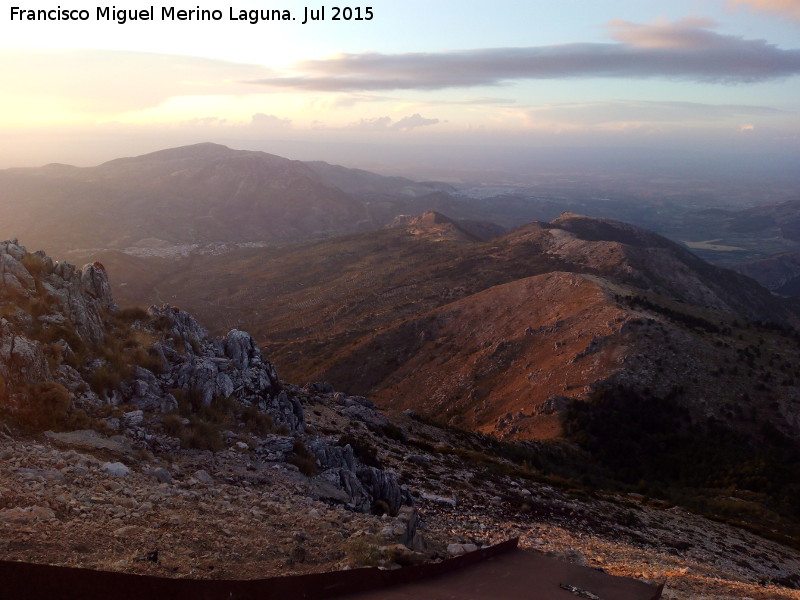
<point x="388" y="124"/>
<point x="789" y="8"/>
<point x="350" y="100"/>
<point x="373" y="124"/>
<point x="110" y="81"/>
<point x="262" y="121"/>
<point x="412" y="122"/>
<point x="203" y="122"/>
<point x="687" y="50"/>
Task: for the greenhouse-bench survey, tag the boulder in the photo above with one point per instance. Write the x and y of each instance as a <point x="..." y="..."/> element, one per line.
<point x="117" y="469"/>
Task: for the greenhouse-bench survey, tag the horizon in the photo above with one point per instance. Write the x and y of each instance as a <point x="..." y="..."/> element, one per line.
<point x="707" y="77"/>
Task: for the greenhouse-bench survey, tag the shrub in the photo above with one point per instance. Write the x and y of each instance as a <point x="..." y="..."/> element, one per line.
<point x="130" y="314"/>
<point x="393" y="432"/>
<point x="79" y="419"/>
<point x="173" y="425"/>
<point x="256" y="421"/>
<point x="380" y="508"/>
<point x="303" y="459"/>
<point x="363" y="450"/>
<point x="202" y="435"/>
<point x="46" y="406"/>
<point x="104" y="379"/>
<point x="34" y="263"/>
<point x="148" y="359"/>
<point x="363" y="552"/>
<point x="182" y="398"/>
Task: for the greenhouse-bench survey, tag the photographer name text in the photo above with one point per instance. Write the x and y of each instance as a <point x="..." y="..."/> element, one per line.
<point x="121" y="16"/>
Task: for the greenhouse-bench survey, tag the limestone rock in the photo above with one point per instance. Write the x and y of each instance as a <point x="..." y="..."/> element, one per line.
<point x="162" y="475"/>
<point x="459" y="549"/>
<point x="115" y="468"/>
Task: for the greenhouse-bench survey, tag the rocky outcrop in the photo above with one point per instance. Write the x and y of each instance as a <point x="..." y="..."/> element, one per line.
<point x="63" y="329"/>
<point x="22" y="360"/>
<point x="232" y="366"/>
<point x="365" y="487"/>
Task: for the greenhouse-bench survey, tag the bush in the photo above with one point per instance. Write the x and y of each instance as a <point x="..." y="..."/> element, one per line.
<point x="46" y="406"/>
<point x="130" y="314"/>
<point x="363" y="450"/>
<point x="202" y="435"/>
<point x="34" y="263"/>
<point x="173" y="425"/>
<point x="80" y="419"/>
<point x="105" y="379"/>
<point x="363" y="552"/>
<point x="393" y="432"/>
<point x="303" y="459"/>
<point x="148" y="359"/>
<point x="256" y="421"/>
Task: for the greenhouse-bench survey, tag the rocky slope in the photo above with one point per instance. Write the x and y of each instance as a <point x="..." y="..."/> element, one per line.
<point x="617" y="306"/>
<point x="69" y="357"/>
<point x="131" y="440"/>
<point x="81" y="499"/>
<point x="567" y="309"/>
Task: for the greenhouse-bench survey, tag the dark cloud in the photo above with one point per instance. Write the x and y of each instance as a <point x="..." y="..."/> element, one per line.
<point x="686" y="50"/>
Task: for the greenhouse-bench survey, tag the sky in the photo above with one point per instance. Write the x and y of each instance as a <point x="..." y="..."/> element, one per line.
<point x="415" y="79"/>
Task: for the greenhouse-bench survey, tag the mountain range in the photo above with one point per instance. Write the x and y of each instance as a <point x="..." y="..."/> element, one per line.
<point x="197" y="195"/>
<point x="582" y="349"/>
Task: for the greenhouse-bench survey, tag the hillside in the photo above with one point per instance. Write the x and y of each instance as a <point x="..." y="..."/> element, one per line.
<point x="179" y="198"/>
<point x="314" y="304"/>
<point x="779" y="273"/>
<point x="730" y="237"/>
<point x="132" y="441"/>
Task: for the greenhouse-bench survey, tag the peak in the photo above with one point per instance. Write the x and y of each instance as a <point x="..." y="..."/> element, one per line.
<point x="204" y="150"/>
<point x="568" y="215"/>
<point x="432" y="217"/>
<point x="434" y="226"/>
<point x="595" y="229"/>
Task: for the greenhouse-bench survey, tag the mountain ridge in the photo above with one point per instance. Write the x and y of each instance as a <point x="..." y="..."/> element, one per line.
<point x="199" y="194"/>
<point x="309" y="465"/>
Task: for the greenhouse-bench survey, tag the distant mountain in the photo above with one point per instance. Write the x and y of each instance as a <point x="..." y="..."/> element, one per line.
<point x="733" y="237"/>
<point x="779" y="273"/>
<point x="200" y="194"/>
<point x="782" y="218"/>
